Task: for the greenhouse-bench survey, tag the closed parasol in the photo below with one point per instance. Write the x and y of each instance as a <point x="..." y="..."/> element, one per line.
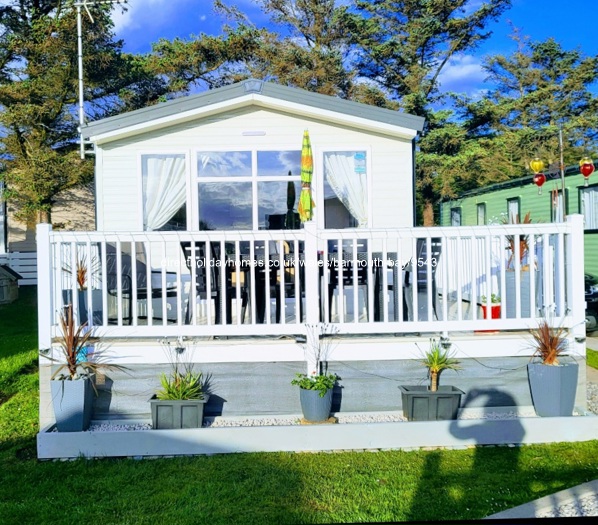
<point x="306" y="204"/>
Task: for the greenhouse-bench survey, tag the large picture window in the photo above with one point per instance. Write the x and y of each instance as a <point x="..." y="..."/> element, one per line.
<point x="245" y="190"/>
<point x="346" y="202"/>
<point x="164" y="184"/>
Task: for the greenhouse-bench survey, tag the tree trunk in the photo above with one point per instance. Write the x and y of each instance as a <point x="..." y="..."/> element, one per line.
<point x="433" y="381"/>
<point x="428" y="213"/>
<point x="43" y="217"/>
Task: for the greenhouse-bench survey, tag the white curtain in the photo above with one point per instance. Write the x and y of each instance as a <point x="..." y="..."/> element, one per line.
<point x="590" y="208"/>
<point x="348" y="185"/>
<point x="164" y="189"/>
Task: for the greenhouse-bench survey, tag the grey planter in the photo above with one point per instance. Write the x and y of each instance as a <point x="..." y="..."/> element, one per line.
<point x="168" y="414"/>
<point x="314" y="407"/>
<point x="553" y="388"/>
<point x="421" y="404"/>
<point x="73" y="404"/>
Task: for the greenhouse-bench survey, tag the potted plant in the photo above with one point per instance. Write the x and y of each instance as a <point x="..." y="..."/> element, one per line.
<point x="316" y="388"/>
<point x="71" y="385"/>
<point x="315" y="395"/>
<point x="181" y="400"/>
<point x="494" y="311"/>
<point x="433" y="402"/>
<point x="552" y="384"/>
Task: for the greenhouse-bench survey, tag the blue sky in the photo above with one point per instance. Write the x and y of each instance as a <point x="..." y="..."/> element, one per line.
<point x="569" y="22"/>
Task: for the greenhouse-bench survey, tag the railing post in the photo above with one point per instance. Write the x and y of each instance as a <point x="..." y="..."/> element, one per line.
<point x="44" y="286"/>
<point x="312" y="285"/>
<point x="574" y="276"/>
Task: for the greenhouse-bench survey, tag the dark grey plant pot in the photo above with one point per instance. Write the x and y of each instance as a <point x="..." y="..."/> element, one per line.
<point x="167" y="413"/>
<point x="421" y="404"/>
<point x="73" y="404"/>
<point x="314" y="407"/>
<point x="553" y="388"/>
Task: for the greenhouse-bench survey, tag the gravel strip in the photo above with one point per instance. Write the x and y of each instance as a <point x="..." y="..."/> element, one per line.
<point x="585" y="506"/>
<point x="592" y="399"/>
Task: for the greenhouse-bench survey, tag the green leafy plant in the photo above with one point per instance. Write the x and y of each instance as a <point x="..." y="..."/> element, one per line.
<point x="548" y="342"/>
<point x="320" y="382"/>
<point x="494" y="299"/>
<point x="317" y="348"/>
<point x="183" y="382"/>
<point x="437" y="359"/>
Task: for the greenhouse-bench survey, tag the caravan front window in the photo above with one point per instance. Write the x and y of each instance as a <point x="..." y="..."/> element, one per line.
<point x="346" y="201"/>
<point x="164" y="186"/>
<point x="248" y="190"/>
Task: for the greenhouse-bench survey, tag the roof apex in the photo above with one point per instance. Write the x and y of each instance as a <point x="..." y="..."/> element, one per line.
<point x="250" y="91"/>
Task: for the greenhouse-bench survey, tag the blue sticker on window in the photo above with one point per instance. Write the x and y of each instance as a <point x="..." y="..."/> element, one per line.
<point x="359" y="162"/>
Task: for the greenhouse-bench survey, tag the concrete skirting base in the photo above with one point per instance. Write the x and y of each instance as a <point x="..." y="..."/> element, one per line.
<point x="312" y="438"/>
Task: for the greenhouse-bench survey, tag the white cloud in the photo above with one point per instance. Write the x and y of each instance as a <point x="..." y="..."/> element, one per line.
<point x="141" y="12"/>
<point x="463" y="73"/>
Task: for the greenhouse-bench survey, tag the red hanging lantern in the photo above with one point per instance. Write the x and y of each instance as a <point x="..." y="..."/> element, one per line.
<point x="586" y="167"/>
<point x="539" y="179"/>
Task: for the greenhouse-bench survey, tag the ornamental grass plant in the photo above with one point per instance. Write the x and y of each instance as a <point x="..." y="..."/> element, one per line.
<point x="183" y="382"/>
<point x="436" y="360"/>
<point x="548" y="342"/>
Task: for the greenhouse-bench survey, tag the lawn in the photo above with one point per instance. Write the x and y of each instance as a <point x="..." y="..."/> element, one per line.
<point x="255" y="488"/>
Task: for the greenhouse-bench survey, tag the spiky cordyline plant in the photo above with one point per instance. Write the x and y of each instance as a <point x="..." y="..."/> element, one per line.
<point x="81" y="270"/>
<point x="549" y="342"/>
<point x="436" y="359"/>
<point x="74" y="341"/>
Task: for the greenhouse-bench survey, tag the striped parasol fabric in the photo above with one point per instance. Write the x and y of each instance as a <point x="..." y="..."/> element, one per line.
<point x="306" y="203"/>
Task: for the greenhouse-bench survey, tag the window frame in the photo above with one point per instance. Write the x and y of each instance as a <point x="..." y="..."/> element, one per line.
<point x="188" y="188"/>
<point x="481" y="206"/>
<point x="458" y="210"/>
<point x="565" y="201"/>
<point x="580" y="191"/>
<point x="318" y="188"/>
<point x="518" y="214"/>
<point x="254" y="179"/>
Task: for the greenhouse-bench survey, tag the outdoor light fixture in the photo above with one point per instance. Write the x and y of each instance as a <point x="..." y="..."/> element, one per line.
<point x="79" y="5"/>
<point x="586" y="167"/>
<point x="537" y="165"/>
<point x="539" y="179"/>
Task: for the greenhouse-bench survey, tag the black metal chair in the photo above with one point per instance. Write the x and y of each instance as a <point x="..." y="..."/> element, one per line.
<point x="144" y="291"/>
<point x="276" y="273"/>
<point x="423" y="259"/>
<point x="343" y="271"/>
<point x="202" y="264"/>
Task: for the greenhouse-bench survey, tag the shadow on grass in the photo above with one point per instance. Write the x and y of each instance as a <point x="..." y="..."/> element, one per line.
<point x="459" y="493"/>
<point x="216" y="489"/>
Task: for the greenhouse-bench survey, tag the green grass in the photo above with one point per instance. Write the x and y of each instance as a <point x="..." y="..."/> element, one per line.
<point x="255" y="488"/>
<point x="592" y="358"/>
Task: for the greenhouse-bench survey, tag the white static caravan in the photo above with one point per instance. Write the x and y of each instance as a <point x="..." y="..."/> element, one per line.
<point x="216" y="178"/>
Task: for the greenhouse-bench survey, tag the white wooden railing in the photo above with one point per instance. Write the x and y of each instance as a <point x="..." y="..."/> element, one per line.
<point x="239" y="283"/>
